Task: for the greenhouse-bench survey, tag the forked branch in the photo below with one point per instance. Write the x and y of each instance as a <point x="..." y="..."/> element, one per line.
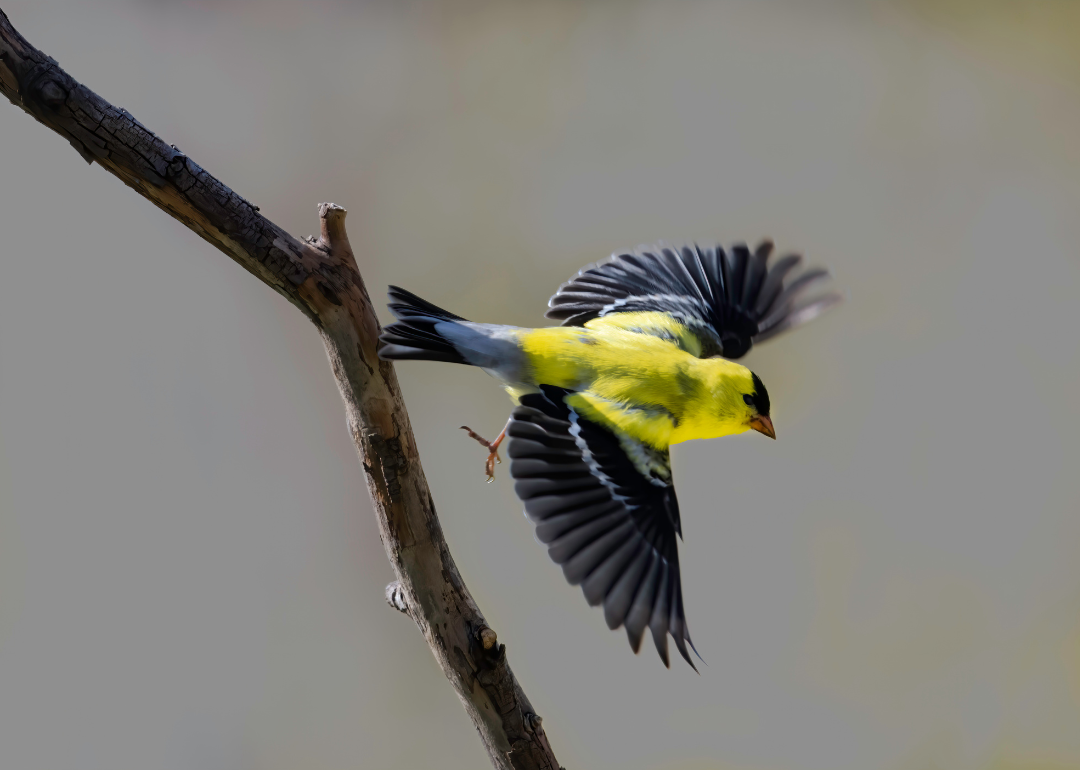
<point x="321" y="278"/>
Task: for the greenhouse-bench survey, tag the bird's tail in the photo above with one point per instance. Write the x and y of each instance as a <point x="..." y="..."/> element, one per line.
<point x="416" y="334"/>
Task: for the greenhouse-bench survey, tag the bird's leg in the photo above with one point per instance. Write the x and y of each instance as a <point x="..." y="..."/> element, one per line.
<point x="492" y="446"/>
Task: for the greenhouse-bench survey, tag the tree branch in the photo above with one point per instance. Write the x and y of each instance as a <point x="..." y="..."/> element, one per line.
<point x="321" y="278"/>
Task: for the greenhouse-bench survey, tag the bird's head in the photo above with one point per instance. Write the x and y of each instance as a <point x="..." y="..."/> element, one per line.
<point x="756" y="402"/>
<point x="734" y="400"/>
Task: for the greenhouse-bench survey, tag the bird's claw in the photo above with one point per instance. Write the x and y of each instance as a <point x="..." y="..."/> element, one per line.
<point x="489" y="465"/>
<point x="492" y="446"/>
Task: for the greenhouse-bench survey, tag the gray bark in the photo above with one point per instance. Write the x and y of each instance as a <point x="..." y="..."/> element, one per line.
<point x="320" y="277"/>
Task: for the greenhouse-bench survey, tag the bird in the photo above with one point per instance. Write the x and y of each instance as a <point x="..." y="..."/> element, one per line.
<point x="645" y="357"/>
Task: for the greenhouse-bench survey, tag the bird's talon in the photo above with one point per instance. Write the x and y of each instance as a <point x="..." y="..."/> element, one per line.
<point x="493" y="447"/>
<point x="477" y="437"/>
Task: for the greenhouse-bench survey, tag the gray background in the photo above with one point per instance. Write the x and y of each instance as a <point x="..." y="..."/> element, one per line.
<point x="190" y="573"/>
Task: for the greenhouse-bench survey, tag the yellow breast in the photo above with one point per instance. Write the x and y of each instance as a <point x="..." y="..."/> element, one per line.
<point x="641" y="384"/>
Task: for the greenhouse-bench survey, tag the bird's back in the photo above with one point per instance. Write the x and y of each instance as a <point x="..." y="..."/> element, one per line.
<point x="642" y="384"/>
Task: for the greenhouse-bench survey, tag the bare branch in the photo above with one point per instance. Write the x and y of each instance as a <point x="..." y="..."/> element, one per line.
<point x="322" y="279"/>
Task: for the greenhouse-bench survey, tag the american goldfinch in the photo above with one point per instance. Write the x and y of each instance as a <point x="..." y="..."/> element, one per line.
<point x="642" y="361"/>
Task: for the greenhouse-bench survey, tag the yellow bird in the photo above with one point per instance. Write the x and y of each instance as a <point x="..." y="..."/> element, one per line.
<point x="641" y="362"/>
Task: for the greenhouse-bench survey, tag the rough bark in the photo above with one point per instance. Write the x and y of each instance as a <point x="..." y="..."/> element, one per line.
<point x="321" y="278"/>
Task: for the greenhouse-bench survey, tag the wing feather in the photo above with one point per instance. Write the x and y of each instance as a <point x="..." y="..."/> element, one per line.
<point x="737" y="258"/>
<point x="637" y="618"/>
<point x="728" y="299"/>
<point x="611" y="528"/>
<point x="691" y="261"/>
<point x="658" y="623"/>
<point x="774" y="282"/>
<point x="621" y="595"/>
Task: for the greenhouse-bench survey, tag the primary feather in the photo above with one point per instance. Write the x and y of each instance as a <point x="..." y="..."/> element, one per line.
<point x="641" y="362"/>
<point x="730" y="299"/>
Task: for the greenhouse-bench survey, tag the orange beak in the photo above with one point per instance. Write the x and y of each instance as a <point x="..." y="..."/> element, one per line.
<point x="763" y="424"/>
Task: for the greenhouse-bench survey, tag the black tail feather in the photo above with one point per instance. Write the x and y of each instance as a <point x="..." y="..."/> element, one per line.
<point x="414" y="335"/>
<point x="404" y="304"/>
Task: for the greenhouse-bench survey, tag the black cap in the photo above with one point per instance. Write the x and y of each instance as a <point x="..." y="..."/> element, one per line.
<point x="761" y="396"/>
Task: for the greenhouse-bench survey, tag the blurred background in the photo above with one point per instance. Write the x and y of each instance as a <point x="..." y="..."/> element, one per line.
<point x="190" y="571"/>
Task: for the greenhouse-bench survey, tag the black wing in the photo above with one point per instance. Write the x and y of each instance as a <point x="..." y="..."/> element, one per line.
<point x="610" y="521"/>
<point x="729" y="299"/>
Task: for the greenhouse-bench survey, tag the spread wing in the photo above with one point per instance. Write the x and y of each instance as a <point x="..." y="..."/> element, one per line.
<point x="727" y="299"/>
<point x="605" y="507"/>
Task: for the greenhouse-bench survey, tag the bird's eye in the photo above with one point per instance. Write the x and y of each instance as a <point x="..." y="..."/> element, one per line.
<point x="748" y="399"/>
